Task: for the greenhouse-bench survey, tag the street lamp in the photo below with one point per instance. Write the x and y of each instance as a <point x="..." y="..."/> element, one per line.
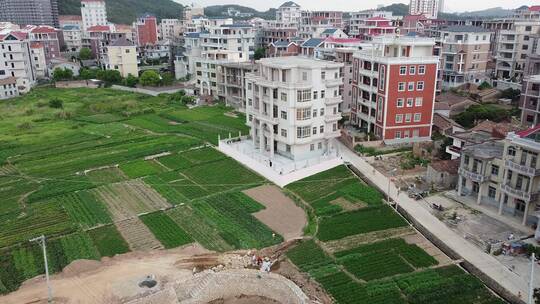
<point x="41" y="241"/>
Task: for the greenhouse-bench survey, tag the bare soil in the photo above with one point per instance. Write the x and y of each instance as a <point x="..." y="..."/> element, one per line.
<point x="346" y="205"/>
<point x="243" y="299"/>
<point x="281" y="214"/>
<point x="137" y="235"/>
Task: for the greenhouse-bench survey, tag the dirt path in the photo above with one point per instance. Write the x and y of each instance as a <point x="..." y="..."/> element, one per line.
<point x="281" y="213"/>
<point x="109" y="281"/>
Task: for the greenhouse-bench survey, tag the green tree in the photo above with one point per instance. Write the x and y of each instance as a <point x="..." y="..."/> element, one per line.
<point x="85" y="54"/>
<point x="167" y="78"/>
<point x="150" y="78"/>
<point x="62" y="74"/>
<point x="56" y="103"/>
<point x="480" y="112"/>
<point x="188" y="99"/>
<point x="87" y="73"/>
<point x="259" y="53"/>
<point x="484" y="85"/>
<point x="511" y="94"/>
<point x="131" y="81"/>
<point x="109" y="76"/>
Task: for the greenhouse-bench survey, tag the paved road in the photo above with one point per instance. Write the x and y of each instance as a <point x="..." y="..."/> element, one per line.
<point x="485" y="262"/>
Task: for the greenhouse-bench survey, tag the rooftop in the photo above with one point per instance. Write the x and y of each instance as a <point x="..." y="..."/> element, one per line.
<point x="122" y="41"/>
<point x="289" y="4"/>
<point x="450" y="166"/>
<point x="329" y="31"/>
<point x="486" y="150"/>
<point x="313" y="42"/>
<point x="465" y="29"/>
<point x="8" y="80"/>
<point x="298" y="61"/>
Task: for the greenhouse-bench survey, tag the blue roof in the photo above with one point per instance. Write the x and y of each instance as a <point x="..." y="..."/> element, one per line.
<point x="329" y="31"/>
<point x="236" y="25"/>
<point x="192" y="35"/>
<point x="70" y="27"/>
<point x="313" y="42"/>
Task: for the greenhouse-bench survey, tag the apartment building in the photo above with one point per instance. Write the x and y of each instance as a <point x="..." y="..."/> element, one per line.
<point x="374" y="26"/>
<point x="93" y="12"/>
<point x="505" y="175"/>
<point x="358" y="19"/>
<point x="24" y="12"/>
<point x="121" y="55"/>
<point x="289" y="12"/>
<point x="273" y="33"/>
<point x="293" y="106"/>
<point x="234" y="37"/>
<point x="170" y="29"/>
<point x="464" y="52"/>
<point x="8" y="88"/>
<point x="231" y="81"/>
<point x="428" y="8"/>
<point x="206" y="69"/>
<point x="191" y="11"/>
<point x="146" y="30"/>
<point x="72" y="37"/>
<point x="394" y="86"/>
<point x="15" y="59"/>
<point x="48" y="37"/>
<point x="530" y="92"/>
<point x="39" y="62"/>
<point x="282" y="48"/>
<point x="317" y="21"/>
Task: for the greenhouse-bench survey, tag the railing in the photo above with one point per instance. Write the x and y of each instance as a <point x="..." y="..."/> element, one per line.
<point x="521" y="168"/>
<point x="524" y="195"/>
<point x="479" y="178"/>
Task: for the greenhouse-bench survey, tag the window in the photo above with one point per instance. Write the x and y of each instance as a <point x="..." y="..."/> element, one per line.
<point x="304" y="76"/>
<point x="412" y="70"/>
<point x="323" y="75"/>
<point x="382" y="78"/>
<point x="284" y="76"/>
<point x="408" y="117"/>
<point x="283" y="132"/>
<point x="321" y="129"/>
<point x="420" y="86"/>
<point x="303" y="95"/>
<point x="303" y="132"/>
<point x="249" y="86"/>
<point x="312" y="147"/>
<point x="314" y="130"/>
<point x="494" y="170"/>
<point x="322" y="112"/>
<point x="410" y="86"/>
<point x="322" y="93"/>
<point x="399" y="118"/>
<point x="319" y="145"/>
<point x="283" y="115"/>
<point x="284" y="96"/>
<point x="315" y="93"/>
<point x="334" y="127"/>
<point x="314" y="112"/>
<point x="398" y="134"/>
<point x="303" y="114"/>
<point x="417" y="117"/>
<point x="511" y="151"/>
<point x="401" y="87"/>
<point x="419" y="101"/>
<point x="491" y="192"/>
<point x="410" y="102"/>
<point x="402" y="70"/>
<point x="466" y="160"/>
<point x="421" y="69"/>
<point x="400" y="102"/>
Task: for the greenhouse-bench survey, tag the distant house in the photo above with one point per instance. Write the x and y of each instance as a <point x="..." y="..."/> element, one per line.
<point x="63" y="64"/>
<point x="309" y="46"/>
<point x="8" y="88"/>
<point x="443" y="174"/>
<point x="458" y="104"/>
<point x="331" y="33"/>
<point x="444" y="125"/>
<point x="282" y="48"/>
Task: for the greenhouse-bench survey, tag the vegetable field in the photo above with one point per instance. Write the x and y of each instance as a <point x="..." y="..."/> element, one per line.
<point x="108" y="241"/>
<point x="166" y="230"/>
<point x="84" y="209"/>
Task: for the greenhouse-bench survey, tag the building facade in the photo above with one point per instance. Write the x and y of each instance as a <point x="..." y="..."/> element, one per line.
<point x="48" y="37"/>
<point x="146" y="30"/>
<point x="358" y="19"/>
<point x="16" y="60"/>
<point x="289" y="13"/>
<point x="231" y="78"/>
<point x="25" y="12"/>
<point x="292" y="106"/>
<point x="394" y="86"/>
<point x="8" y="88"/>
<point x="93" y="12"/>
<point x="121" y="55"/>
<point x="428" y="8"/>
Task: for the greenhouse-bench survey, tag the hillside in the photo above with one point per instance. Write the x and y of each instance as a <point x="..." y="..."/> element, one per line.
<point x="126" y="11"/>
<point x="219" y="10"/>
<point x="399" y="9"/>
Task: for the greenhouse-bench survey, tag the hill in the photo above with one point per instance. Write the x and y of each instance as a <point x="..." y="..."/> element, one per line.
<point x="490" y="12"/>
<point x="126" y="11"/>
<point x="221" y="10"/>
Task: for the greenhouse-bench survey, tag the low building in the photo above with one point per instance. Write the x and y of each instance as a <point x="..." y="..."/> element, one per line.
<point x="308" y="47"/>
<point x="122" y="56"/>
<point x="8" y="88"/>
<point x="443" y="174"/>
<point x="282" y="48"/>
<point x="61" y="63"/>
<point x="293" y="106"/>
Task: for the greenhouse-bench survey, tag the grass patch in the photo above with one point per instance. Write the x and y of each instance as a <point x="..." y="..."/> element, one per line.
<point x="108" y="241"/>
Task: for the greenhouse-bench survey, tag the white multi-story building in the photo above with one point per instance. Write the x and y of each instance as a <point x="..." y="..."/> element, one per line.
<point x="358" y="19"/>
<point x="292" y="106"/>
<point x="170" y="29"/>
<point x="121" y="55"/>
<point x="289" y="13"/>
<point x="93" y="13"/>
<point x="16" y="60"/>
<point x="8" y="88"/>
<point x="72" y="37"/>
<point x="206" y="69"/>
<point x="428" y="8"/>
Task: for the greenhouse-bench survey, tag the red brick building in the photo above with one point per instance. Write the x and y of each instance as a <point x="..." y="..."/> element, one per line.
<point x="282" y="48"/>
<point x="394" y="88"/>
<point x="146" y="30"/>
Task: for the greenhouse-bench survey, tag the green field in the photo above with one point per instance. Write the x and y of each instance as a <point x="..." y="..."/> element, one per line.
<point x="166" y="230"/>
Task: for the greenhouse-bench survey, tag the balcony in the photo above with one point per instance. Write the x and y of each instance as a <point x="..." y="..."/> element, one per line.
<point x="332" y="100"/>
<point x="475" y="177"/>
<point x="521" y="168"/>
<point x="333" y="82"/>
<point x="520" y="194"/>
<point x="332" y="117"/>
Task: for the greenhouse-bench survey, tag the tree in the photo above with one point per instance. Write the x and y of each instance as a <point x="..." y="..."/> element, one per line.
<point x="259" y="53"/>
<point x="188" y="99"/>
<point x="131" y="81"/>
<point x="109" y="76"/>
<point x="87" y="73"/>
<point x="511" y="94"/>
<point x="167" y="78"/>
<point x="85" y="53"/>
<point x="62" y="74"/>
<point x="150" y="78"/>
<point x="56" y="103"/>
<point x="484" y="85"/>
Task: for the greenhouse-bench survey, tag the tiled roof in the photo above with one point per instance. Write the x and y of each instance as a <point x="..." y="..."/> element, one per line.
<point x="44" y="29"/>
<point x="9" y="80"/>
<point x="313" y="42"/>
<point x="377" y="19"/>
<point x="192" y="35"/>
<point x="450" y="166"/>
<point x="99" y="28"/>
<point x="534" y="8"/>
<point x="343" y="40"/>
<point x="329" y="31"/>
<point x="70" y="18"/>
<point x="70" y="27"/>
<point x="36" y="45"/>
<point x="281" y="43"/>
<point x="122" y="42"/>
<point x="528" y="132"/>
<point x="289" y="4"/>
<point x="465" y="29"/>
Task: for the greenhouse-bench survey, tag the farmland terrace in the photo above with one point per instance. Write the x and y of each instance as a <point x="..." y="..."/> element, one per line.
<point x="111" y="172"/>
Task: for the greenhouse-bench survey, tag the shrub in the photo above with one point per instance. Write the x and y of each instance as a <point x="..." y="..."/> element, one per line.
<point x="85" y="53"/>
<point x="131" y="81"/>
<point x="484" y="85"/>
<point x="150" y="78"/>
<point x="56" y="103"/>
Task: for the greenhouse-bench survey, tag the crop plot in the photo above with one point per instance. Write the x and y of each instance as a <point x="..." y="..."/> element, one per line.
<point x="199" y="228"/>
<point x="12" y="190"/>
<point x="84" y="209"/>
<point x="108" y="241"/>
<point x="166" y="230"/>
<point x="101" y="118"/>
<point x="79" y="246"/>
<point x="137" y="235"/>
<point x="309" y="256"/>
<point x="106" y="176"/>
<point x="375" y="265"/>
<point x="52" y="187"/>
<point x="191" y="158"/>
<point x="140" y="168"/>
<point x="130" y="198"/>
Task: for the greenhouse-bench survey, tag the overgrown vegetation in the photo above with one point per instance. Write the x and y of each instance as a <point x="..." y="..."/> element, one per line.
<point x="480" y="112"/>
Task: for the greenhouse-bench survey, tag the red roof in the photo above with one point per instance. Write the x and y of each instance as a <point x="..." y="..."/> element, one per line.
<point x="528" y="132"/>
<point x="414" y="17"/>
<point x="534" y="8"/>
<point x="43" y="29"/>
<point x="99" y="28"/>
<point x="70" y="18"/>
<point x="377" y="19"/>
<point x="343" y="40"/>
<point x="16" y="34"/>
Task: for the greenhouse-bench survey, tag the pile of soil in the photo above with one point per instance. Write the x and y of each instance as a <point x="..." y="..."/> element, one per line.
<point x="243" y="299"/>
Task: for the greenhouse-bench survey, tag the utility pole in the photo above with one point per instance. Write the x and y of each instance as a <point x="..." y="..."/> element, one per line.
<point x="391" y="173"/>
<point x="41" y="240"/>
<point x="531" y="286"/>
